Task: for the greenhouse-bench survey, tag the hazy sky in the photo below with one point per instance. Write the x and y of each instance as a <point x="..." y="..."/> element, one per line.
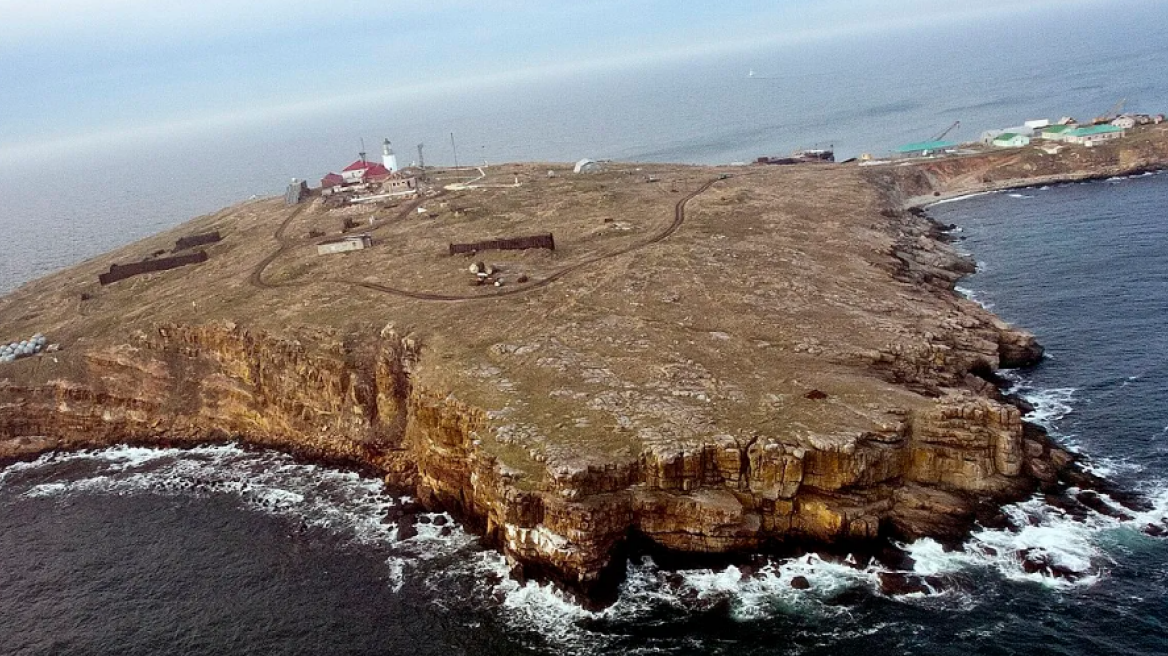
<point x="77" y="68"/>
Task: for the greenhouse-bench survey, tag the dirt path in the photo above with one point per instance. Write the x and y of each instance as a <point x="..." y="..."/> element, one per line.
<point x="256" y="277"/>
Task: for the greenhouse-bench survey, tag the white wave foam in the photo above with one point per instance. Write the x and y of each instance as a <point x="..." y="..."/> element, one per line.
<point x="973" y="296"/>
<point x="347" y="504"/>
<point x="1050" y="405"/>
<point x="1019" y="196"/>
<point x="340" y="502"/>
<point x="1040" y="533"/>
<point x="961" y="198"/>
<point x="397" y="571"/>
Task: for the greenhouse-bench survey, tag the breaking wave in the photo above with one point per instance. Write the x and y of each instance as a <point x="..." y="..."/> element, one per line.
<point x="973" y="296"/>
<point x="1042" y="544"/>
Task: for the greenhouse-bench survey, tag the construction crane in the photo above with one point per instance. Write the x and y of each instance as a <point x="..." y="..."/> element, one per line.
<point x="956" y="124"/>
<point x="1111" y="114"/>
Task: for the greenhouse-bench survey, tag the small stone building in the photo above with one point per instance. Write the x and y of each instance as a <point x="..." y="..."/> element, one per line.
<point x="296" y="193"/>
<point x="344" y="245"/>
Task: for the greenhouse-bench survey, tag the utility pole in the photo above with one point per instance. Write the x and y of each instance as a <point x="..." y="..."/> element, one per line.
<point x="455" y="149"/>
<point x="421" y="161"/>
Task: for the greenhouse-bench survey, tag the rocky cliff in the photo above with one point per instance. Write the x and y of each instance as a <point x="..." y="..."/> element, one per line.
<point x="791" y="366"/>
<point x="352" y="400"/>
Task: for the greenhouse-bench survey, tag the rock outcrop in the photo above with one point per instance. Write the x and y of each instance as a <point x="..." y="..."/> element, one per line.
<point x="352" y="400"/>
<point x="789" y="366"/>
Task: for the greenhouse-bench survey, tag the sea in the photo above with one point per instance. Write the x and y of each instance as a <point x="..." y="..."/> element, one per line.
<point x="230" y="550"/>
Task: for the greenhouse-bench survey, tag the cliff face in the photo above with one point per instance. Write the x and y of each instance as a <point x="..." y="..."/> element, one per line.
<point x="352" y="399"/>
<point x="781" y="360"/>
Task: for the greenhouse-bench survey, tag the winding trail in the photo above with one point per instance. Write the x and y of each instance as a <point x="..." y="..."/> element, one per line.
<point x="256" y="277"/>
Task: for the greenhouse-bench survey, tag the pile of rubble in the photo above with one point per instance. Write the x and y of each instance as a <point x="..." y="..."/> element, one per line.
<point x="486" y="274"/>
<point x="489" y="274"/>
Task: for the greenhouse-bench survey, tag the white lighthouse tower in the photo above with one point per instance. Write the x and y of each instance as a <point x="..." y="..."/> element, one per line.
<point x="388" y="158"/>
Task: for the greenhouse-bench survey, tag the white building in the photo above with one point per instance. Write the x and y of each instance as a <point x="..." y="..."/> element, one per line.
<point x="1010" y="140"/>
<point x="1124" y="122"/>
<point x="988" y="137"/>
<point x="388" y="159"/>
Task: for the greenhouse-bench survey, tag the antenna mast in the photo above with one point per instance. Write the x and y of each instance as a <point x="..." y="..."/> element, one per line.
<point x="455" y="149"/>
<point x="421" y="161"/>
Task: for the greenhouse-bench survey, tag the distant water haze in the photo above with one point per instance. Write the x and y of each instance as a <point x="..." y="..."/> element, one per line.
<point x="223" y="550"/>
<point x="70" y="200"/>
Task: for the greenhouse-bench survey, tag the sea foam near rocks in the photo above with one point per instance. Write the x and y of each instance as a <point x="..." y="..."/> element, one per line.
<point x="352" y="506"/>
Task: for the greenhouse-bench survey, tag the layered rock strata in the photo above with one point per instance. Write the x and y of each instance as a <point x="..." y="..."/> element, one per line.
<point x="791" y="365"/>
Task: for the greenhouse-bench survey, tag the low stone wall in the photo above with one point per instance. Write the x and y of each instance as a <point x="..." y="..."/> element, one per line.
<point x="192" y="241"/>
<point x="122" y="271"/>
<point x="512" y="244"/>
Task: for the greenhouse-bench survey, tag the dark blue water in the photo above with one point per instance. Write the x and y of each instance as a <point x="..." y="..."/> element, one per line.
<point x="1096" y="275"/>
<point x="226" y="551"/>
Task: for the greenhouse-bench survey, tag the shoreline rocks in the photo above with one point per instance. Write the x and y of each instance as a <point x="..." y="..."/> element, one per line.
<point x="789" y="395"/>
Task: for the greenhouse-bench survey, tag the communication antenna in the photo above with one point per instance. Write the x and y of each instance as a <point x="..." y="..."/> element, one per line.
<point x="455" y="149"/>
<point x="421" y="161"/>
<point x="362" y="153"/>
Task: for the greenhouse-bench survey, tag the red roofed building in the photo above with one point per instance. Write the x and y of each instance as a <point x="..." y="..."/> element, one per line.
<point x="331" y="180"/>
<point x="364" y="171"/>
<point x="361" y="173"/>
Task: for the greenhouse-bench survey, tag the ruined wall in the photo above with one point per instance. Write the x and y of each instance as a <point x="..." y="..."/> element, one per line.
<point x="511" y="244"/>
<point x="122" y="271"/>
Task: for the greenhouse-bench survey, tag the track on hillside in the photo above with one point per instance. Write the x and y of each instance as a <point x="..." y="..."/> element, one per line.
<point x="256" y="277"/>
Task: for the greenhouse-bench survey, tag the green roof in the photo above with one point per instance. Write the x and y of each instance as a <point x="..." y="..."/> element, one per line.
<point x="1005" y="136"/>
<point x="1094" y="129"/>
<point x="925" y="145"/>
<point x="1057" y="129"/>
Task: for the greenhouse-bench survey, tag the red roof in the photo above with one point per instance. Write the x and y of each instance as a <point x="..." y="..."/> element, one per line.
<point x="332" y="180"/>
<point x="358" y="165"/>
<point x="377" y="171"/>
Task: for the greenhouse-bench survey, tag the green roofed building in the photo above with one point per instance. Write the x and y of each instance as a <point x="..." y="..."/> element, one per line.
<point x="925" y="148"/>
<point x="1010" y="140"/>
<point x="1056" y="132"/>
<point x="1091" y="135"/>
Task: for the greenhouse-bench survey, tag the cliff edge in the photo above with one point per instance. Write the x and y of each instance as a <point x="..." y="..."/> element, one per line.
<point x="712" y="360"/>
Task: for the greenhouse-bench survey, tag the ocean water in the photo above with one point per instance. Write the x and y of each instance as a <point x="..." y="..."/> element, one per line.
<point x="860" y="93"/>
<point x="226" y="550"/>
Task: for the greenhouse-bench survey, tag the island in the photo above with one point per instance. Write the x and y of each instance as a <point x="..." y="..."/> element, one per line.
<point x="696" y="359"/>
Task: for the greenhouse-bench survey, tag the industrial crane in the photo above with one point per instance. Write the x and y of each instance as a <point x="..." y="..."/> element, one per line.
<point x="956" y="124"/>
<point x="1111" y="114"/>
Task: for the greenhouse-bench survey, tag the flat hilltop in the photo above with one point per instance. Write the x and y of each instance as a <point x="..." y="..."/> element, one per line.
<point x="779" y="282"/>
<point x="679" y="302"/>
<point x="712" y="357"/>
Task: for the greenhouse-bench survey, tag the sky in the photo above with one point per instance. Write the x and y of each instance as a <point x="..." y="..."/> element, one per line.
<point x="86" y="70"/>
